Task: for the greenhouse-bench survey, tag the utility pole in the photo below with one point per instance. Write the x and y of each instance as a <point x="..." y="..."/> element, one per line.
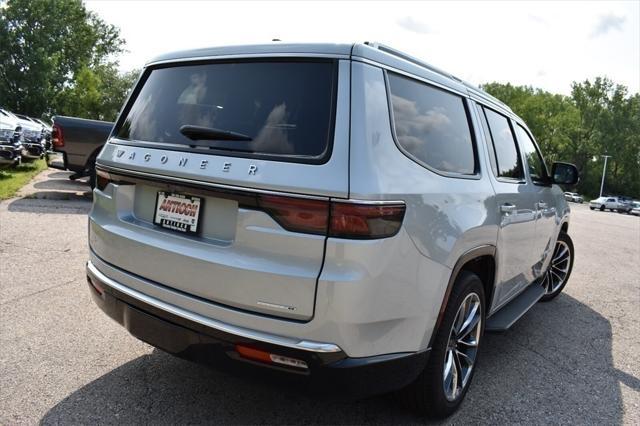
<point x="604" y="171"/>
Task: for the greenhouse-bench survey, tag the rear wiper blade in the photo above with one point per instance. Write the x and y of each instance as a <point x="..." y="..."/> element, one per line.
<point x="209" y="133"/>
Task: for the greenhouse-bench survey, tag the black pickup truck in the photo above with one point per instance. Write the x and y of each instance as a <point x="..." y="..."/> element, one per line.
<point x="76" y="143"/>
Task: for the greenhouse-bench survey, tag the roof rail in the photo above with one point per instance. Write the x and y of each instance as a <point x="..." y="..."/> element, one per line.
<point x="398" y="53"/>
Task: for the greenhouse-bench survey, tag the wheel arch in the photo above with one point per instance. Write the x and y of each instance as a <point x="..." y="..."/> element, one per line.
<point x="481" y="261"/>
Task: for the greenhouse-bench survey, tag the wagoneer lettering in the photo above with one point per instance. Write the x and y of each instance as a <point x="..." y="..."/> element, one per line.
<point x="344" y="214"/>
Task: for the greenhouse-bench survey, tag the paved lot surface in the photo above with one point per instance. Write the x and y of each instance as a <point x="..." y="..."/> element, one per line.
<point x="576" y="359"/>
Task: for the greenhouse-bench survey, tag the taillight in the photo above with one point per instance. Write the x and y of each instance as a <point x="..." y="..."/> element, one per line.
<point x="335" y="219"/>
<point x="365" y="221"/>
<point x="57" y="138"/>
<point x="297" y="214"/>
<point x="102" y="179"/>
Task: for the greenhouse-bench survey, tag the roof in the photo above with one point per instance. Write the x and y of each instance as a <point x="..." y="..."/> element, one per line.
<point x="368" y="52"/>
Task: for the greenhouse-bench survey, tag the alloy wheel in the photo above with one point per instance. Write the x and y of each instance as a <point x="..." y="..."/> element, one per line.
<point x="462" y="347"/>
<point x="558" y="269"/>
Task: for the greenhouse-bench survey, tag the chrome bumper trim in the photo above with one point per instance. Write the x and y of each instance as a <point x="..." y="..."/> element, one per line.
<point x="304" y="345"/>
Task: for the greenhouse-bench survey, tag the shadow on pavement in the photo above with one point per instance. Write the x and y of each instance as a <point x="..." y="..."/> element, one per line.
<point x="52" y="202"/>
<point x="63" y="185"/>
<point x="554" y="366"/>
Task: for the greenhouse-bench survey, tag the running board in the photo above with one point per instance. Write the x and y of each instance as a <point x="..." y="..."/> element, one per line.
<point x="512" y="311"/>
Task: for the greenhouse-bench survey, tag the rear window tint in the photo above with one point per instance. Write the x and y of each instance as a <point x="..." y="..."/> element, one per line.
<point x="286" y="108"/>
<point x="432" y="126"/>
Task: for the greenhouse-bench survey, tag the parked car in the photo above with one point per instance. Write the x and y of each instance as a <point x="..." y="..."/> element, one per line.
<point x="10" y="139"/>
<point x="341" y="214"/>
<point x="635" y="208"/>
<point x="574" y="197"/>
<point x="624" y="204"/>
<point x="604" y="203"/>
<point x="46" y="132"/>
<point x="33" y="139"/>
<point x="77" y="142"/>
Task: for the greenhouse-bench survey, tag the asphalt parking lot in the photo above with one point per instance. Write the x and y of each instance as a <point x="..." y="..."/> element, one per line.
<point x="573" y="360"/>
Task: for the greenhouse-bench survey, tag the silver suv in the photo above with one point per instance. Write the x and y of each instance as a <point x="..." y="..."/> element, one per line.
<point x="344" y="214"/>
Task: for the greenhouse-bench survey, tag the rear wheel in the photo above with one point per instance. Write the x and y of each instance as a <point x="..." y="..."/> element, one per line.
<point x="559" y="269"/>
<point x="441" y="387"/>
<point x="92" y="173"/>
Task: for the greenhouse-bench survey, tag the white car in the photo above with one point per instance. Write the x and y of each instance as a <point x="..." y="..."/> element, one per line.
<point x="573" y="196"/>
<point x="604" y="203"/>
<point x="635" y="208"/>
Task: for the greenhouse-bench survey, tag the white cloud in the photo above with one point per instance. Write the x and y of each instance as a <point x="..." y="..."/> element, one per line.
<point x="477" y="41"/>
<point x="411" y="24"/>
<point x="608" y="23"/>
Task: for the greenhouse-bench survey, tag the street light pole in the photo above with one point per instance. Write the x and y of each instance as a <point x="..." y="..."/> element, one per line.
<point x="604" y="171"/>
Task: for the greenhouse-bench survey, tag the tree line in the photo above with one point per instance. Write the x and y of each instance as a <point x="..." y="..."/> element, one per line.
<point x="56" y="57"/>
<point x="598" y="118"/>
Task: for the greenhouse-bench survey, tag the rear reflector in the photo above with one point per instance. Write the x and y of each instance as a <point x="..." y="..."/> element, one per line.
<point x="269" y="358"/>
<point x="96" y="286"/>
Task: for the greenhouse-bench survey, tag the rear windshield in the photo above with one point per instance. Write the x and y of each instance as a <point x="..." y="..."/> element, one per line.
<point x="279" y="108"/>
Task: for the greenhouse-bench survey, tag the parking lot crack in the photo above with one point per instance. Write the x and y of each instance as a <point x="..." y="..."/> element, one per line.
<point x="26" y="296"/>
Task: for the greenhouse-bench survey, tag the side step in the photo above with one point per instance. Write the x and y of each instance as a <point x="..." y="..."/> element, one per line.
<point x="512" y="311"/>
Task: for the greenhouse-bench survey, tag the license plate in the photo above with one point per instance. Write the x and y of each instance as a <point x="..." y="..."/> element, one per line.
<point x="178" y="212"/>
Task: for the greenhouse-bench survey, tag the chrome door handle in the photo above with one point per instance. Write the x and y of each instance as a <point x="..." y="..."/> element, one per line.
<point x="507" y="208"/>
<point x="541" y="205"/>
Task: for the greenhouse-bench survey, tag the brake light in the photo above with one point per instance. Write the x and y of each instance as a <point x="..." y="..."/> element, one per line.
<point x="336" y="219"/>
<point x="297" y="214"/>
<point x="102" y="179"/>
<point x="57" y="137"/>
<point x="365" y="221"/>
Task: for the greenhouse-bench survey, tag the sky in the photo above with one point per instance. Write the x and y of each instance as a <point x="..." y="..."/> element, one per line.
<point x="543" y="44"/>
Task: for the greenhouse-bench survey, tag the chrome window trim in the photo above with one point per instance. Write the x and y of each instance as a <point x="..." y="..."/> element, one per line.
<point x="409" y="74"/>
<point x="305" y="345"/>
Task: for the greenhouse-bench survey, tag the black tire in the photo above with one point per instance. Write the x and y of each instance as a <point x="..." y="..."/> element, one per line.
<point x="426" y="395"/>
<point x="563" y="238"/>
<point x="592" y="208"/>
<point x="92" y="173"/>
<point x="602" y="208"/>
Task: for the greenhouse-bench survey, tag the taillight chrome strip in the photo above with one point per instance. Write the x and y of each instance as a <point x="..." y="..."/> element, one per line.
<point x="332" y="217"/>
<point x="152" y="178"/>
<point x="305" y="345"/>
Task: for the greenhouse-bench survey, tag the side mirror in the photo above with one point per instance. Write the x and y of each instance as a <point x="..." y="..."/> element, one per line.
<point x="564" y="174"/>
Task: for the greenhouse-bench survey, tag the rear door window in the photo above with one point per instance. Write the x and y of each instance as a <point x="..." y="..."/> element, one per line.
<point x="279" y="108"/>
<point x="432" y="126"/>
<point x="535" y="163"/>
<point x="507" y="156"/>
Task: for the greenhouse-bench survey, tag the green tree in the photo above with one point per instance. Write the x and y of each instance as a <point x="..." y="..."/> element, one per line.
<point x="98" y="93"/>
<point x="46" y="44"/>
<point x="598" y="118"/>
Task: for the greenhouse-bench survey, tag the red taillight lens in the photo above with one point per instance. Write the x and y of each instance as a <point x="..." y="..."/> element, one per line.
<point x="365" y="221"/>
<point x="102" y="179"/>
<point x="297" y="214"/>
<point x="57" y="138"/>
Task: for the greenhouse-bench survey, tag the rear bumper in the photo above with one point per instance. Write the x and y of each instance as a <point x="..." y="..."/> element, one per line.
<point x="213" y="343"/>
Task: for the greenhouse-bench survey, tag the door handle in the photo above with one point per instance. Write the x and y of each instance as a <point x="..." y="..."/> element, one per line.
<point x="508" y="208"/>
<point x="541" y="205"/>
